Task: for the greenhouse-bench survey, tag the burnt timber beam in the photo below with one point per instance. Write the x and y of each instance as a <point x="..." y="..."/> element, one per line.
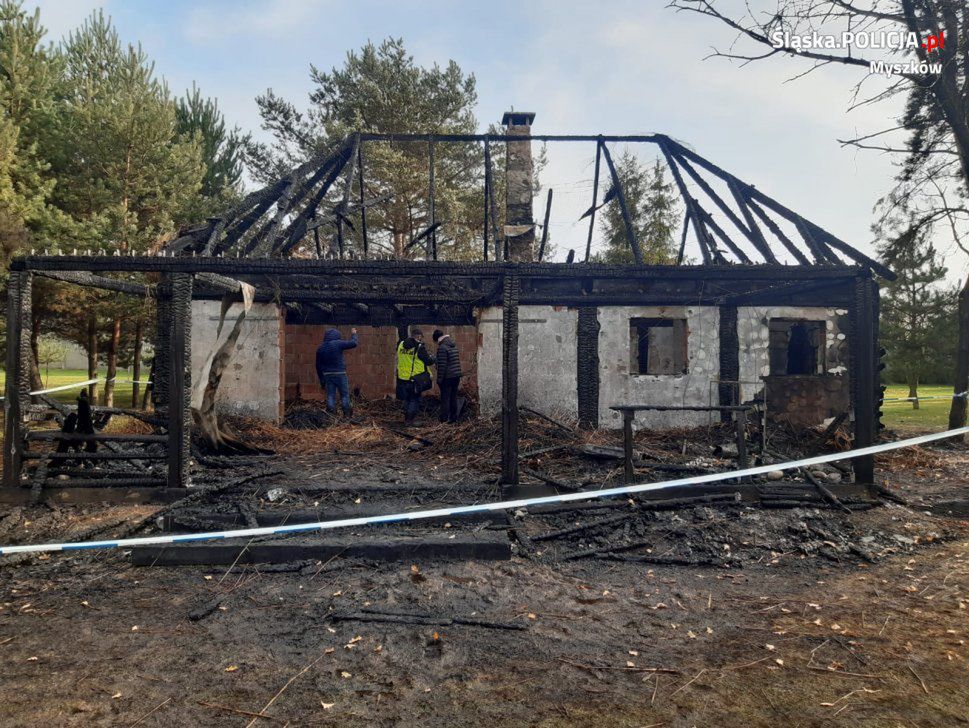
<point x="782" y="290"/>
<point x="180" y="384"/>
<point x="293" y="235"/>
<point x="774" y="228"/>
<point x="330" y="168"/>
<point x="509" y="382"/>
<point x="107" y="494"/>
<point x="487" y="198"/>
<point x="814" y="231"/>
<point x="864" y="375"/>
<point x="587" y="366"/>
<point x="756" y="234"/>
<point x="623" y="207"/>
<point x="345" y="201"/>
<point x="18" y="375"/>
<point x="483" y="545"/>
<point x="595" y="197"/>
<point x="729" y="359"/>
<point x="707" y="219"/>
<point x="83" y="278"/>
<point x="707" y="248"/>
<point x="686" y="229"/>
<point x="241" y="267"/>
<point x="548" y="212"/>
<point x="505" y="138"/>
<point x="758" y="243"/>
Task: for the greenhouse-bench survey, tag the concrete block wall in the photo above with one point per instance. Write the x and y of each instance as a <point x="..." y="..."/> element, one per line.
<point x="752" y="327"/>
<point x="546" y="359"/>
<point x="807" y="401"/>
<point x="618" y="385"/>
<point x="252" y="384"/>
<point x="371" y="366"/>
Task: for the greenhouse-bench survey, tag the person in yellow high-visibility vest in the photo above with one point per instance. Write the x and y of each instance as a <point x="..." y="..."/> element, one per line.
<point x="413" y="379"/>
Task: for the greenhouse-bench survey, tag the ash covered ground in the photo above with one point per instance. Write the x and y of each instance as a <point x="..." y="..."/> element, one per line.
<point x="621" y="612"/>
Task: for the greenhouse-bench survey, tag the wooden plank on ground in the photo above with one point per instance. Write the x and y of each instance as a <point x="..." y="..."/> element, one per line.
<point x="484" y="546"/>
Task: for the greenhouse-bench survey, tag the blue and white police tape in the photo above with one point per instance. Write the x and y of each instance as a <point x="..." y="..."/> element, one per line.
<point x="65" y="387"/>
<point x="890" y="400"/>
<point x="78" y="385"/>
<point x="455" y="511"/>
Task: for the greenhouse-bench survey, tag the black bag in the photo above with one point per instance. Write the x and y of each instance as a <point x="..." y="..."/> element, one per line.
<point x="422" y="382"/>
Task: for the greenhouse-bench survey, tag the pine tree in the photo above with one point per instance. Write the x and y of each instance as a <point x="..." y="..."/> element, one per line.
<point x="124" y="172"/>
<point x="199" y="119"/>
<point x="29" y="79"/>
<point x="653" y="204"/>
<point x="913" y="308"/>
<point x="122" y="167"/>
<point x="381" y="89"/>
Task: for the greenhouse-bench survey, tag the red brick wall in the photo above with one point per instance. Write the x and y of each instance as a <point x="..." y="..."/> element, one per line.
<point x="371" y="366"/>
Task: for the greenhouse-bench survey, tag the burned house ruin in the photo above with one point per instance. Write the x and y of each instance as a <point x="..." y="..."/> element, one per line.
<point x="780" y="312"/>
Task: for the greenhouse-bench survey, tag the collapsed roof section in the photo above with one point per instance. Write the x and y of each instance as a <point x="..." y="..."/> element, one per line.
<point x="305" y="213"/>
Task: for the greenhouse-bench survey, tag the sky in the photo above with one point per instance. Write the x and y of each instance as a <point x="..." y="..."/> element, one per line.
<point x="610" y="66"/>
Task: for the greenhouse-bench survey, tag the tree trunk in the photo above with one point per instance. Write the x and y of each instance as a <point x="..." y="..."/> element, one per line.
<point x="136" y="366"/>
<point x="35" y="381"/>
<point x="957" y="414"/>
<point x="113" y="343"/>
<point x="913" y="390"/>
<point x="92" y="356"/>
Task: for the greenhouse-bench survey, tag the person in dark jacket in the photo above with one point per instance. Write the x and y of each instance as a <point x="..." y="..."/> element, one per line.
<point x="332" y="370"/>
<point x="413" y="379"/>
<point x="448" y="375"/>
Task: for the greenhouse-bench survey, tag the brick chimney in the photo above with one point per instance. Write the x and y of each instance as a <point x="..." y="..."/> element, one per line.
<point x="519" y="218"/>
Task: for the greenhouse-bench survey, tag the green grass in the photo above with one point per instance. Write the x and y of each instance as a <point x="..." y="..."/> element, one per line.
<point x="58" y="377"/>
<point x="931" y="415"/>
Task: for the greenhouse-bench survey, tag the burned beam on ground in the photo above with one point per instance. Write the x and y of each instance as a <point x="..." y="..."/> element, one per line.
<point x="482" y="545"/>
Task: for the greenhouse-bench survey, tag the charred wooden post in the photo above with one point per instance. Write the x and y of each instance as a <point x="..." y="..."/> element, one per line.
<point x="180" y="382"/>
<point x="587" y="366"/>
<point x="864" y="377"/>
<point x="595" y="198"/>
<point x="163" y="326"/>
<point x="487" y="196"/>
<point x="509" y="381"/>
<point x="729" y="358"/>
<point x="17" y="397"/>
<point x="627" y="445"/>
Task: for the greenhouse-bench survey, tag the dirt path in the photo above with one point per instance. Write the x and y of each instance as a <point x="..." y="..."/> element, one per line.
<point x="782" y="637"/>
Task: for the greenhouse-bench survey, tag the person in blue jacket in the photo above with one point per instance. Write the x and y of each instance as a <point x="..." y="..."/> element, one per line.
<point x="332" y="370"/>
